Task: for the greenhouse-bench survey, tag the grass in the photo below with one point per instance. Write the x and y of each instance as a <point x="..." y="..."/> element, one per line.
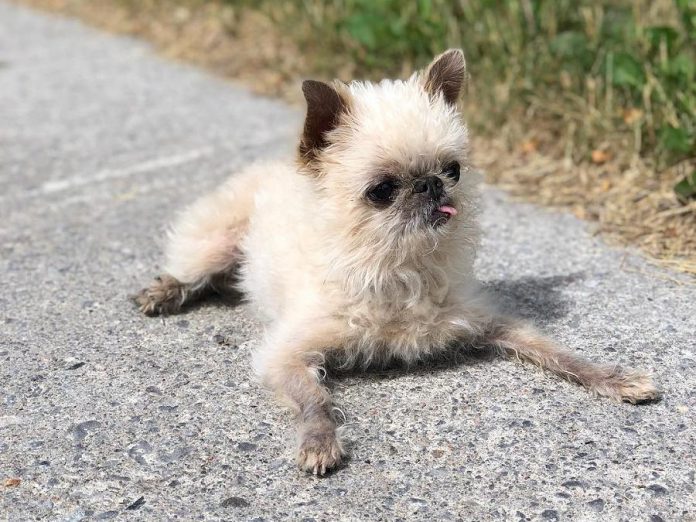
<point x="592" y="73"/>
<point x="587" y="105"/>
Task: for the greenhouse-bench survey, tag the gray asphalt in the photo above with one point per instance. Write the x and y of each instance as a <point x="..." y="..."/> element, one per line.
<point x="106" y="414"/>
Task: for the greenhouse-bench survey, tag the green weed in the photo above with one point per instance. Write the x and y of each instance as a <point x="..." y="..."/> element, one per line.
<point x="594" y="74"/>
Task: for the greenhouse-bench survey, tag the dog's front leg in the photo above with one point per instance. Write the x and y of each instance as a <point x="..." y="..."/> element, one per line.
<point x="291" y="364"/>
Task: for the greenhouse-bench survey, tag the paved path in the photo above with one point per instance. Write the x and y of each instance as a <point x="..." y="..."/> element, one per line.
<point x="106" y="414"/>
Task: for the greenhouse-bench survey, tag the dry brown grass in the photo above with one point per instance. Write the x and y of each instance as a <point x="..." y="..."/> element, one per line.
<point x="237" y="43"/>
<point x="630" y="203"/>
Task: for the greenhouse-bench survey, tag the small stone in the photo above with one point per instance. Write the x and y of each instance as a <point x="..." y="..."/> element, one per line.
<point x="246" y="446"/>
<point x="237" y="502"/>
<point x="81" y="430"/>
<point x="139" y="450"/>
<point x="550" y="514"/>
<point x="658" y="490"/>
<point x="136" y="505"/>
<point x="174" y="455"/>
<point x="597" y="504"/>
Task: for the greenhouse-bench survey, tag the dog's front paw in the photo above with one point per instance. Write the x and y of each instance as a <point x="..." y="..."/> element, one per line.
<point x="320" y="451"/>
<point x="164" y="296"/>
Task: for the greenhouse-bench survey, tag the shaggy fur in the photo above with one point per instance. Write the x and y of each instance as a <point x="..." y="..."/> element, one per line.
<point x="362" y="251"/>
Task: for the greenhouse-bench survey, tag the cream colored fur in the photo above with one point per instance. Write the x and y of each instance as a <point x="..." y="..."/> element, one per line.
<point x="331" y="275"/>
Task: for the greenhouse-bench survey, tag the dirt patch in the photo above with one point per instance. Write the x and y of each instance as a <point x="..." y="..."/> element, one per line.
<point x="630" y="202"/>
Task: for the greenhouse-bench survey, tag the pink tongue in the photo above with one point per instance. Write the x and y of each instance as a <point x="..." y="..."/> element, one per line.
<point x="446" y="209"/>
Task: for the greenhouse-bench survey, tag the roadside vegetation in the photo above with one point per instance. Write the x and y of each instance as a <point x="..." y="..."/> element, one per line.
<point x="586" y="105"/>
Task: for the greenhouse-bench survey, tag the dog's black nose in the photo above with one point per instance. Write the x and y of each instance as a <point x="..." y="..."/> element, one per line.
<point x="432" y="184"/>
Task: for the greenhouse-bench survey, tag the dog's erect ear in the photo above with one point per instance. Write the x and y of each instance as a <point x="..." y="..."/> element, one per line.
<point x="445" y="75"/>
<point x="324" y="109"/>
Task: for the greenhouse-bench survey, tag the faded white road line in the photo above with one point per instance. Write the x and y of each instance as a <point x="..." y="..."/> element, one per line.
<point x="81" y="180"/>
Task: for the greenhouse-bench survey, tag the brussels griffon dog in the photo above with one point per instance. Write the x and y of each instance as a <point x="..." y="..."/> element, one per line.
<point x="361" y="251"/>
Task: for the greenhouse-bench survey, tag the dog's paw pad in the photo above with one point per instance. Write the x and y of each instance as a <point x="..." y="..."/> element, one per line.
<point x="320" y="452"/>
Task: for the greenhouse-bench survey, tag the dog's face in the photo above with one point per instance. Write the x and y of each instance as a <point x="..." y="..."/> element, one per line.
<point x="416" y="195"/>
<point x="390" y="158"/>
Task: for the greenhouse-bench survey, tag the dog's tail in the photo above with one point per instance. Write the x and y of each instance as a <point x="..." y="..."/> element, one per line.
<point x="520" y="340"/>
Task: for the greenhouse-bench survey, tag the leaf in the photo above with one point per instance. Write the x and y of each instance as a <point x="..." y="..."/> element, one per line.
<point x="676" y="140"/>
<point x="12" y="482"/>
<point x="686" y="188"/>
<point x="425" y="8"/>
<point x="529" y="146"/>
<point x="682" y="66"/>
<point x="360" y="27"/>
<point x="687" y="11"/>
<point x="569" y="44"/>
<point x="627" y="71"/>
<point x="600" y="156"/>
<point x="632" y="115"/>
<point x="657" y="35"/>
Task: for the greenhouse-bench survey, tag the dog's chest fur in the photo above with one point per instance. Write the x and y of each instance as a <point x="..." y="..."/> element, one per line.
<point x="402" y="308"/>
<point x="411" y="317"/>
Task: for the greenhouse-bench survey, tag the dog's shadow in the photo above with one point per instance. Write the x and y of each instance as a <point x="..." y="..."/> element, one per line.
<point x="537" y="299"/>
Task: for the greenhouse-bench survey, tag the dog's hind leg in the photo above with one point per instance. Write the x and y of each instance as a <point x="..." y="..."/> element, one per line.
<point x="202" y="246"/>
<point x="519" y="340"/>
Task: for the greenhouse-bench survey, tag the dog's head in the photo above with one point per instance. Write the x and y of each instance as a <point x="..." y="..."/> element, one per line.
<point x="391" y="158"/>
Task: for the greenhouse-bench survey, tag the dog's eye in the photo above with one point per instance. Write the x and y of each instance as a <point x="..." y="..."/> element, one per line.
<point x="452" y="171"/>
<point x="382" y="193"/>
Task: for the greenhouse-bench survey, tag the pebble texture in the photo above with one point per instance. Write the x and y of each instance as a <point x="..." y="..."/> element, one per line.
<point x="105" y="414"/>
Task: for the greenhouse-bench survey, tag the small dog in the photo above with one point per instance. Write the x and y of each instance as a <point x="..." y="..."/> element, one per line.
<point x="361" y="252"/>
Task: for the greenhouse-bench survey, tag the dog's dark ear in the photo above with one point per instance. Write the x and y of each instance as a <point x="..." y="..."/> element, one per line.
<point x="445" y="75"/>
<point x="324" y="108"/>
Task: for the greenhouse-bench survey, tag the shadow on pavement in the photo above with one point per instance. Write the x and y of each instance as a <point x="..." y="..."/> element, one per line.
<point x="539" y="299"/>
